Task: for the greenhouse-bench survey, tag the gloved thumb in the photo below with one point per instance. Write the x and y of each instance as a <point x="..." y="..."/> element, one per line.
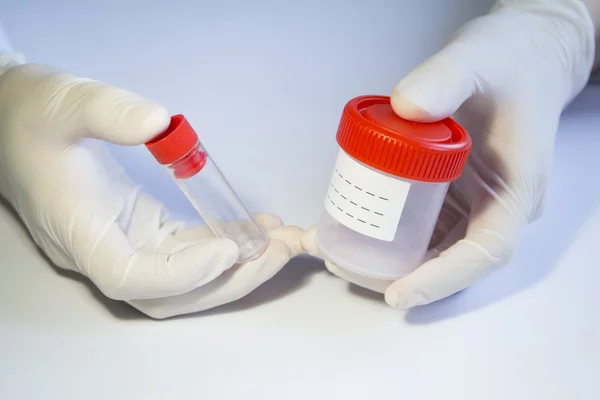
<point x="435" y="89"/>
<point x="119" y="116"/>
<point x="74" y="107"/>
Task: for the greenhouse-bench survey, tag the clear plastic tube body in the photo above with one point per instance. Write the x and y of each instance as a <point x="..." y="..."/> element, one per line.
<point x="206" y="188"/>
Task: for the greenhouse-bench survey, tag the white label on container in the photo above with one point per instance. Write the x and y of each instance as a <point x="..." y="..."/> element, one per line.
<point x="364" y="200"/>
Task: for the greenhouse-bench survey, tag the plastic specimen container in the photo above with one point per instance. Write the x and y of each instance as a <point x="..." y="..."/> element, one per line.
<point x="387" y="188"/>
<point x="197" y="175"/>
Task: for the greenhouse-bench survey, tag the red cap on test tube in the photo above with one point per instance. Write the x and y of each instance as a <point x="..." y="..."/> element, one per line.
<point x="175" y="142"/>
<point x="174" y="145"/>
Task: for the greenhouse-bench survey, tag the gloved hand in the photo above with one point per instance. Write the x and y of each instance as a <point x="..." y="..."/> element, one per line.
<point x="88" y="216"/>
<point x="507" y="76"/>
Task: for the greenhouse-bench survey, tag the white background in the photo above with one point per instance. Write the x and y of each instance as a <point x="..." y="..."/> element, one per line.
<point x="264" y="83"/>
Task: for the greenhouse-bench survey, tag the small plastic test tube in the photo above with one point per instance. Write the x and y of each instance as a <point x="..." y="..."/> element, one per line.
<point x="387" y="188"/>
<point x="197" y="175"/>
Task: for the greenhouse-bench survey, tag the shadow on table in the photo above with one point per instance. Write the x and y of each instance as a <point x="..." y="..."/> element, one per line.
<point x="294" y="276"/>
<point x="572" y="200"/>
<point x="291" y="278"/>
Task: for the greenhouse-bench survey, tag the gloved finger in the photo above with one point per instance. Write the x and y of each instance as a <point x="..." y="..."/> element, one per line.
<point x="197" y="233"/>
<point x="233" y="284"/>
<point x="492" y="236"/>
<point x="140" y="275"/>
<point x="309" y="243"/>
<point x="106" y="112"/>
<point x="291" y="236"/>
<point x="125" y="269"/>
<point x="268" y="221"/>
<point x="435" y="89"/>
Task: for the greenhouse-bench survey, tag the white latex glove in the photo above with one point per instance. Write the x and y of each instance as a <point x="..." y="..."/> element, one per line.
<point x="88" y="216"/>
<point x="509" y="74"/>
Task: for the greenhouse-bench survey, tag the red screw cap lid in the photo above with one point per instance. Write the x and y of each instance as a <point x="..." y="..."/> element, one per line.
<point x="175" y="142"/>
<point x="371" y="132"/>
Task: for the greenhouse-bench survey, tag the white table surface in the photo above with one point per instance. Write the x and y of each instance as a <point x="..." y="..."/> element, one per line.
<point x="529" y="331"/>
